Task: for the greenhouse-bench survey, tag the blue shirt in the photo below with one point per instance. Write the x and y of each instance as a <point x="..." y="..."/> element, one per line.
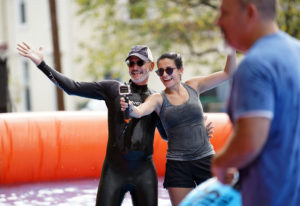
<point x="267" y="84"/>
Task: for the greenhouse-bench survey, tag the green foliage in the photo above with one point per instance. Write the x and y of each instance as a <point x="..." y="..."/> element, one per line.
<point x="184" y="26"/>
<point x="289" y="17"/>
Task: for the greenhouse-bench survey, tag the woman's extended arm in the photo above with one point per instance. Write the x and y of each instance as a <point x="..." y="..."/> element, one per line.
<point x="204" y="83"/>
<point x="152" y="103"/>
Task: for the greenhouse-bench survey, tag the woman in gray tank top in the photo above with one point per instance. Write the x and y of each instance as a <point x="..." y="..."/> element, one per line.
<point x="189" y="149"/>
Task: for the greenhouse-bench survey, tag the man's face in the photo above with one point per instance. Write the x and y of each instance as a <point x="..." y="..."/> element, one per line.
<point x="139" y="74"/>
<point x="233" y="23"/>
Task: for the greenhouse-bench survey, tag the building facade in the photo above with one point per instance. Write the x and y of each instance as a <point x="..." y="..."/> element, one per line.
<point x="29" y="21"/>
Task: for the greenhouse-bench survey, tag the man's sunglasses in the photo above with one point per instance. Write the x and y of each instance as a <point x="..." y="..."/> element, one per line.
<point x="161" y="71"/>
<point x="132" y="63"/>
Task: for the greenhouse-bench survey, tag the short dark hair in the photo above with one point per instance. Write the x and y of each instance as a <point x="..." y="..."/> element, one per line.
<point x="174" y="56"/>
<point x="266" y="8"/>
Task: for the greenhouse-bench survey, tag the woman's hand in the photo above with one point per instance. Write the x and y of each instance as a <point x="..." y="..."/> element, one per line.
<point x="35" y="56"/>
<point x="209" y="127"/>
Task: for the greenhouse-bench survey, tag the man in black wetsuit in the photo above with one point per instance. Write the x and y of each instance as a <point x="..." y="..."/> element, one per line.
<point x="128" y="165"/>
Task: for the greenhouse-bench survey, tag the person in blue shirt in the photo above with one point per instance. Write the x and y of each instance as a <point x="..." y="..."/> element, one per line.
<point x="264" y="106"/>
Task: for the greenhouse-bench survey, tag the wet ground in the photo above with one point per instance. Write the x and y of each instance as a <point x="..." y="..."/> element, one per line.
<point x="63" y="193"/>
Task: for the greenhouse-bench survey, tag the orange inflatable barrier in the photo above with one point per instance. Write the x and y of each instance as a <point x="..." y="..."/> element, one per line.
<point x="66" y="145"/>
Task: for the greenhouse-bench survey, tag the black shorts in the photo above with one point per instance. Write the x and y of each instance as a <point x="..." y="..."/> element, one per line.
<point x="187" y="174"/>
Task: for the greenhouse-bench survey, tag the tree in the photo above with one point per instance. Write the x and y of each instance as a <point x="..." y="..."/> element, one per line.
<point x="289" y="17"/>
<point x="184" y="26"/>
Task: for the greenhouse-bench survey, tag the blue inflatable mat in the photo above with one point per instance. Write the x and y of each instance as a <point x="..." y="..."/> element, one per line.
<point x="212" y="193"/>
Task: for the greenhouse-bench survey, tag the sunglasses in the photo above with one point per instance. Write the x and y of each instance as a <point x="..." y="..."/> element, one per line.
<point x="161" y="71"/>
<point x="132" y="63"/>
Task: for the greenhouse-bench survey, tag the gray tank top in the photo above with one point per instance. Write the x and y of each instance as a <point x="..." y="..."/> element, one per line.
<point x="184" y="124"/>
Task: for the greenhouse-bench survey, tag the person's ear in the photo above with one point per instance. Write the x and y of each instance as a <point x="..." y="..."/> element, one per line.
<point x="181" y="70"/>
<point x="252" y="12"/>
<point x="152" y="66"/>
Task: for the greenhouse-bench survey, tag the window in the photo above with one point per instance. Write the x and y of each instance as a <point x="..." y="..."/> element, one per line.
<point x="22" y="15"/>
<point x="26" y="85"/>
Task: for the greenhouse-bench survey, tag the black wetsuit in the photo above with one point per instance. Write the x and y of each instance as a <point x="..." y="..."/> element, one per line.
<point x="128" y="165"/>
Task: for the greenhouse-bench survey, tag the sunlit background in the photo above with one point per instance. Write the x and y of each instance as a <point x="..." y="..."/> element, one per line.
<point x="88" y="40"/>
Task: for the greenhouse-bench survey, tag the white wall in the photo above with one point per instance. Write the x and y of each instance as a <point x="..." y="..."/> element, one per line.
<point x="37" y="32"/>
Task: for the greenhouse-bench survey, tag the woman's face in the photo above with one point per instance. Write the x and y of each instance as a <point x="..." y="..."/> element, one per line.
<point x="168" y="78"/>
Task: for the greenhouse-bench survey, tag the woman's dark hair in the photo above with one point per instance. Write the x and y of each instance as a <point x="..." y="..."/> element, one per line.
<point x="174" y="56"/>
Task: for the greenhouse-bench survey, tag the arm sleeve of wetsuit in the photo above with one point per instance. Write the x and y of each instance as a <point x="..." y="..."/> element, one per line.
<point x="95" y="90"/>
<point x="161" y="130"/>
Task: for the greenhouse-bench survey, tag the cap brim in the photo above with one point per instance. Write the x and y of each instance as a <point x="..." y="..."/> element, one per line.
<point x="139" y="56"/>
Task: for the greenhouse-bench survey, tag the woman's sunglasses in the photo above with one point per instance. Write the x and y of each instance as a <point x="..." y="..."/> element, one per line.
<point x="161" y="71"/>
<point x="132" y="63"/>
